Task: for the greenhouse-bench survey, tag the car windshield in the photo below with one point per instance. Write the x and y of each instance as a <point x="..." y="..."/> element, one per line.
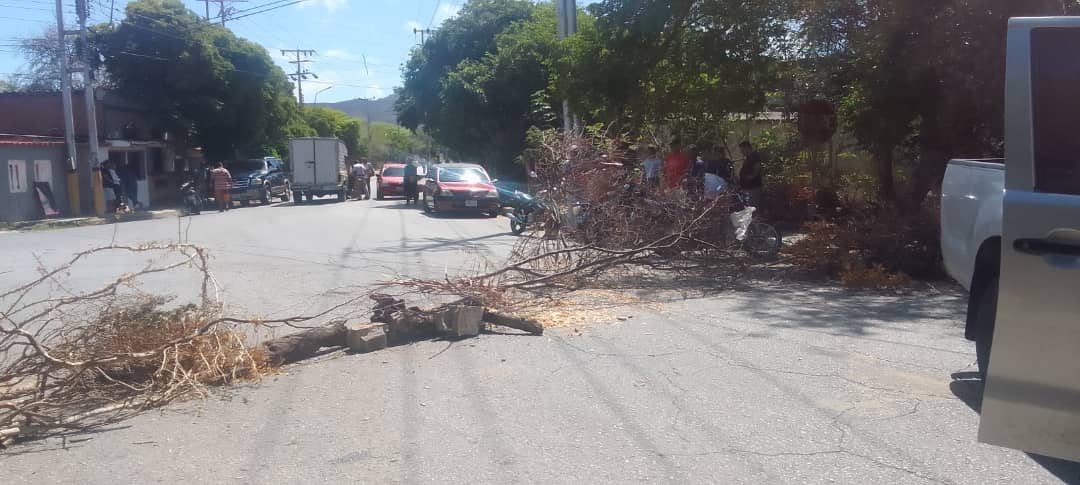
<point x="245" y="165"/>
<point x="472" y="175"/>
<point x="393" y="172"/>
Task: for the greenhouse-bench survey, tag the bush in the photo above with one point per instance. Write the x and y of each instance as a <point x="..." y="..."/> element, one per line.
<point x="873" y="248"/>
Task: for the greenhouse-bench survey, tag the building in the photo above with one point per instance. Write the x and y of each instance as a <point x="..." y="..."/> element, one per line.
<point x="32" y="150"/>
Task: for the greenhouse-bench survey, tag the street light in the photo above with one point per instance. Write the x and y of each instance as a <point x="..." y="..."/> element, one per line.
<point x="323" y="90"/>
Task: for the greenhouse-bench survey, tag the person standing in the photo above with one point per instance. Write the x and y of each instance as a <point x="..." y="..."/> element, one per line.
<point x="111" y="180"/>
<point x="410" y="183"/>
<point x="676" y="165"/>
<point x="359" y="178"/>
<point x="129" y="178"/>
<point x="752" y="173"/>
<point x="652" y="168"/>
<point x="220" y="179"/>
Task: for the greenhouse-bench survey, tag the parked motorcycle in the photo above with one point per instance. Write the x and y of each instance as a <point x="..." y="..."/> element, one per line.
<point x="193" y="200"/>
<point x="526" y="211"/>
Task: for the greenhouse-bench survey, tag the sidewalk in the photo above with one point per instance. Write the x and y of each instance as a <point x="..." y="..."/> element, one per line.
<point x="47" y="224"/>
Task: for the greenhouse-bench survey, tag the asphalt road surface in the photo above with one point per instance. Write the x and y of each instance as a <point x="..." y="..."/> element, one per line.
<point x="767" y="383"/>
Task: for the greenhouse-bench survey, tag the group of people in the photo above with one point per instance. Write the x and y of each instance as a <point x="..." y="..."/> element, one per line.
<point x="123" y="183"/>
<point x="704" y="169"/>
<point x="360" y="179"/>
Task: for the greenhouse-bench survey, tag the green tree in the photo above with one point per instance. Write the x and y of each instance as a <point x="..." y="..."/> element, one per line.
<point x="199" y="80"/>
<point x="471" y="86"/>
<point x="926" y="76"/>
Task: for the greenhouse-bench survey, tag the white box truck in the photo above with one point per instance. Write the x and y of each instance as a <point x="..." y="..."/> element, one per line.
<point x="318" y="168"/>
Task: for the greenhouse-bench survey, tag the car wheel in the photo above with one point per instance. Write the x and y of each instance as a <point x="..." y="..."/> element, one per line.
<point x="245" y="203"/>
<point x="379" y="195"/>
<point x="985" y="319"/>
<point x="427" y="208"/>
<point x="286" y="194"/>
<point x="266" y="195"/>
<point x="341" y="195"/>
<point x="309" y="196"/>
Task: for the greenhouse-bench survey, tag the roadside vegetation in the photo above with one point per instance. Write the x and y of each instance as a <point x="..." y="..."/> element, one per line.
<point x="912" y="84"/>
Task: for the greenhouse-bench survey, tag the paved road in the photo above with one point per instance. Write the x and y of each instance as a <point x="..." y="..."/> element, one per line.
<point x="765" y="384"/>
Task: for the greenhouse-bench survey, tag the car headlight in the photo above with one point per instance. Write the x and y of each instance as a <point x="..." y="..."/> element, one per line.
<point x="492" y="193"/>
<point x="255" y="181"/>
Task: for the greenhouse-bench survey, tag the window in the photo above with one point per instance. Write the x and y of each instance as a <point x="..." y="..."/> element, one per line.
<point x="393" y="171"/>
<point x="16" y="176"/>
<point x="253" y="165"/>
<point x="464" y="174"/>
<point x="1055" y="99"/>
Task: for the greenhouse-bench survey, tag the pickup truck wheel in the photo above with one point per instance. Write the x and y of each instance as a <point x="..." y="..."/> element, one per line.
<point x="286" y="193"/>
<point x="266" y="195"/>
<point x="985" y="319"/>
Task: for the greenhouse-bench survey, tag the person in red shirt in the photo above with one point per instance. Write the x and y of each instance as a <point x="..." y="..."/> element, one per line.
<point x="676" y="165"/>
<point x="220" y="178"/>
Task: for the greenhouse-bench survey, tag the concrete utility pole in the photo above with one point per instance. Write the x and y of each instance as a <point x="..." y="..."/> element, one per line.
<point x="206" y="3"/>
<point x="91" y="109"/>
<point x="69" y="120"/>
<point x="566" y="10"/>
<point x="422" y="32"/>
<point x="301" y="72"/>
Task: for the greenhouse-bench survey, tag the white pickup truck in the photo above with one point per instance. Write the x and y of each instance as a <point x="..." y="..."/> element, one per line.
<point x="1011" y="236"/>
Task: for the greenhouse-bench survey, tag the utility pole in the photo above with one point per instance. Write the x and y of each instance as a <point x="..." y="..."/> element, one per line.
<point x="566" y="10"/>
<point x="206" y="3"/>
<point x="302" y="72"/>
<point x="91" y="109"/>
<point x="69" y="120"/>
<point x="422" y="32"/>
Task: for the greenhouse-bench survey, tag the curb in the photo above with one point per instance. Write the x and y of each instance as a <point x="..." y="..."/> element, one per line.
<point x="48" y="225"/>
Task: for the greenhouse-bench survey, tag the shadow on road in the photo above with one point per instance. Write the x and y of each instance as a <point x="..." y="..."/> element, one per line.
<point x="968" y="387"/>
<point x="321" y="201"/>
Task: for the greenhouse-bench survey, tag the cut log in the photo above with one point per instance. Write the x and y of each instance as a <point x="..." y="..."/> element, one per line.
<point x="511" y="321"/>
<point x="366" y="337"/>
<point x="300" y="346"/>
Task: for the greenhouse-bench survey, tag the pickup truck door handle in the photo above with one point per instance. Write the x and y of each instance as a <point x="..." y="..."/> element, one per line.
<point x="1043" y="247"/>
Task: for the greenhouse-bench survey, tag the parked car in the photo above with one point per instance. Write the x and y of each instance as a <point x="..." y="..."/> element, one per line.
<point x="1010" y="234"/>
<point x="390" y="181"/>
<point x="461" y="187"/>
<point x="261" y="179"/>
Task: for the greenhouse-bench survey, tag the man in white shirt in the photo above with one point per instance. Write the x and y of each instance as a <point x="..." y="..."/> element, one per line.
<point x="359" y="180"/>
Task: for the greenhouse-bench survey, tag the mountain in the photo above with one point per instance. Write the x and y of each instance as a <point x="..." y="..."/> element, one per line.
<point x="380" y="110"/>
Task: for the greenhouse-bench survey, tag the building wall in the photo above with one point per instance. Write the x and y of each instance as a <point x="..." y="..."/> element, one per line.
<point x="22" y="206"/>
<point x="42" y="114"/>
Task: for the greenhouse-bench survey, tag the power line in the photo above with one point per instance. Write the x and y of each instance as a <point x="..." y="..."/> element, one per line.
<point x="434" y="13"/>
<point x="294" y="2"/>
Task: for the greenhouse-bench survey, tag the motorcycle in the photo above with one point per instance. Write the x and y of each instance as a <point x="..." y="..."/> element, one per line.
<point x="526" y="212"/>
<point x="193" y="201"/>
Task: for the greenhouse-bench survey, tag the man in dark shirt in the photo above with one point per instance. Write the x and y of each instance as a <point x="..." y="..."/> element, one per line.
<point x="411" y="183"/>
<point x="752" y="174"/>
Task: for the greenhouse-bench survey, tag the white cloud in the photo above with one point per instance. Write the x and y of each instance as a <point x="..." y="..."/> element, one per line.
<point x="445" y="12"/>
<point x="330" y="5"/>
<point x="375" y="91"/>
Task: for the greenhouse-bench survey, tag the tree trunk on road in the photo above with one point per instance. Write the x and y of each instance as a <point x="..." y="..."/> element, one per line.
<point x="300" y="346"/>
<point x="524" y="324"/>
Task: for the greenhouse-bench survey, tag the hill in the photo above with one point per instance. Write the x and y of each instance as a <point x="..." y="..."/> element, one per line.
<point x="380" y="110"/>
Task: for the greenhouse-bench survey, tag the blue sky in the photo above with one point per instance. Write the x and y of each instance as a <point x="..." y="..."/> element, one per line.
<point x="361" y="44"/>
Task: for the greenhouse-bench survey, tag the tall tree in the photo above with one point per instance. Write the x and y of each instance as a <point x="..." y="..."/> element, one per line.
<point x="929" y="75"/>
<point x="200" y="81"/>
<point x="452" y="88"/>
